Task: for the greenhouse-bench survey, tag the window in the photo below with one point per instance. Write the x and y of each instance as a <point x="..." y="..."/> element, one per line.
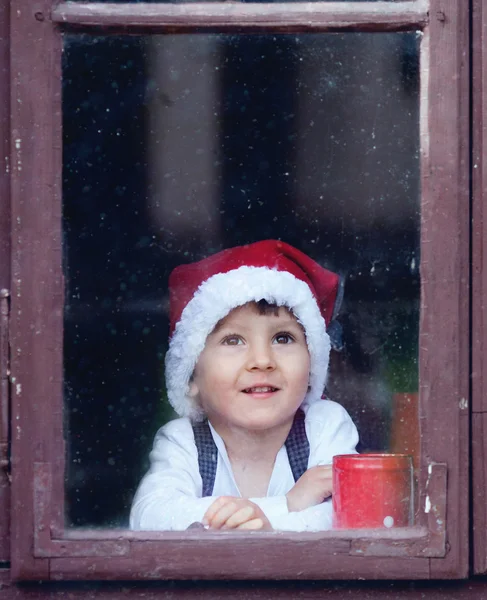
<point x="236" y="153"/>
<point x="81" y="245"/>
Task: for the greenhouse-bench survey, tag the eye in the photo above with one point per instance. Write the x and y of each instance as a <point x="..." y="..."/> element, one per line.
<point x="232" y="340"/>
<point x="283" y="337"/>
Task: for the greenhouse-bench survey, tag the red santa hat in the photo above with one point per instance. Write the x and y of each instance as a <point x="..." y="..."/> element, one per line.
<point x="203" y="293"/>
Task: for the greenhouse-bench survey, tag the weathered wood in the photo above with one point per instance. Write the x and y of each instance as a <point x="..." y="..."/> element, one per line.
<point x="4" y="145"/>
<point x="188" y="563"/>
<point x="435" y="502"/>
<point x="44" y="545"/>
<point x="444" y="337"/>
<point x="271" y="590"/>
<point x="390" y="548"/>
<point x="37" y="290"/>
<point x="479" y="482"/>
<point x="228" y="16"/>
<point x="400" y="542"/>
<point x="479" y="286"/>
<point x="474" y="589"/>
<point x="399" y="534"/>
<point x="479" y="218"/>
<point x="4" y="265"/>
<point x="4" y="428"/>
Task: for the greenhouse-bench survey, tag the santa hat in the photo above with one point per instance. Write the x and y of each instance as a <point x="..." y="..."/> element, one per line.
<point x="203" y="293"/>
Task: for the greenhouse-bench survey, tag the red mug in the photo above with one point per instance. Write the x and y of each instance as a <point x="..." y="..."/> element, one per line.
<point x="372" y="490"/>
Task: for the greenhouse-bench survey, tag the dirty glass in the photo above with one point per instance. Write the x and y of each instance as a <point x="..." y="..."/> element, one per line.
<point x="178" y="146"/>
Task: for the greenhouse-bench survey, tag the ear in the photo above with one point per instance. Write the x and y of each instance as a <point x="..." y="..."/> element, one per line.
<point x="193" y="390"/>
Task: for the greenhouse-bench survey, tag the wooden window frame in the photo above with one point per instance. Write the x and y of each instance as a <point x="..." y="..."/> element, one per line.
<point x="4" y="282"/>
<point x="437" y="546"/>
<point x="479" y="286"/>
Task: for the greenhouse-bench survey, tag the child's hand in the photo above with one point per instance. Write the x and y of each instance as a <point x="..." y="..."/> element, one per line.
<point x="314" y="486"/>
<point x="228" y="512"/>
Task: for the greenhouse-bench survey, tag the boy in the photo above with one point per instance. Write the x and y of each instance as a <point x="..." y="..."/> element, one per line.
<point x="246" y="370"/>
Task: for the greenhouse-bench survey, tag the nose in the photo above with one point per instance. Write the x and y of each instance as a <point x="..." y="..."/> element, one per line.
<point x="260" y="357"/>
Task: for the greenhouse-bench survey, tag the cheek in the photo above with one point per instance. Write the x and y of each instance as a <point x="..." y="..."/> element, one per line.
<point x="302" y="371"/>
<point x="214" y="379"/>
<point x="304" y="380"/>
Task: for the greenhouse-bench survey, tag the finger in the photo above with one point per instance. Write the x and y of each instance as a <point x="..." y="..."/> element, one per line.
<point x="241" y="516"/>
<point x="326" y="489"/>
<point x="221" y="516"/>
<point x="322" y="473"/>
<point x="215" y="507"/>
<point x="252" y="525"/>
<point x="329" y="482"/>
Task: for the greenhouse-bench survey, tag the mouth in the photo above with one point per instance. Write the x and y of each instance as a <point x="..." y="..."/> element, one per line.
<point x="260" y="389"/>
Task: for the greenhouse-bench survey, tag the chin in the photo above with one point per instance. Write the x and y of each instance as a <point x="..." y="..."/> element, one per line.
<point x="265" y="422"/>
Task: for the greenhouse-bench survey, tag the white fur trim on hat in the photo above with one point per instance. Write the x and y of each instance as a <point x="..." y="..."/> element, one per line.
<point x="219" y="295"/>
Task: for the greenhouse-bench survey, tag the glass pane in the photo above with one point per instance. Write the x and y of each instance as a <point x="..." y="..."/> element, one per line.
<point x="178" y="146"/>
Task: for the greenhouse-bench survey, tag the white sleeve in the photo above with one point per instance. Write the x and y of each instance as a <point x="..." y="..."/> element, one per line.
<point x="330" y="431"/>
<point x="168" y="497"/>
<point x="314" y="518"/>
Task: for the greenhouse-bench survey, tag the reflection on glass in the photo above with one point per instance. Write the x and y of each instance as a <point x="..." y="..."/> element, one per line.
<point x="178" y="146"/>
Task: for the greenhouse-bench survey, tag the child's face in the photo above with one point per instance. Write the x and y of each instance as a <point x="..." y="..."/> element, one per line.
<point x="254" y="370"/>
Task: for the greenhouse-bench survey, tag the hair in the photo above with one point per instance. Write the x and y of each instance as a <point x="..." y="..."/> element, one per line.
<point x="261" y="307"/>
<point x="266" y="308"/>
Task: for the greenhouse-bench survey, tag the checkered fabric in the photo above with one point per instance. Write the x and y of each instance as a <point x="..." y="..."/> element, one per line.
<point x="297" y="447"/>
<point x="207" y="456"/>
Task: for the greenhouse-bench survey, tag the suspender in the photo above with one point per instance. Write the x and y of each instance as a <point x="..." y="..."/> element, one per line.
<point x="297" y="447"/>
<point x="207" y="456"/>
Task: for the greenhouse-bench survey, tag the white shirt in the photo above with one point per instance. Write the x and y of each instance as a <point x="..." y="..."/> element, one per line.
<point x="169" y="495"/>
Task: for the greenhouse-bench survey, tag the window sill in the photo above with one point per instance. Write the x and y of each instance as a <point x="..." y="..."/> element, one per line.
<point x="87" y="554"/>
